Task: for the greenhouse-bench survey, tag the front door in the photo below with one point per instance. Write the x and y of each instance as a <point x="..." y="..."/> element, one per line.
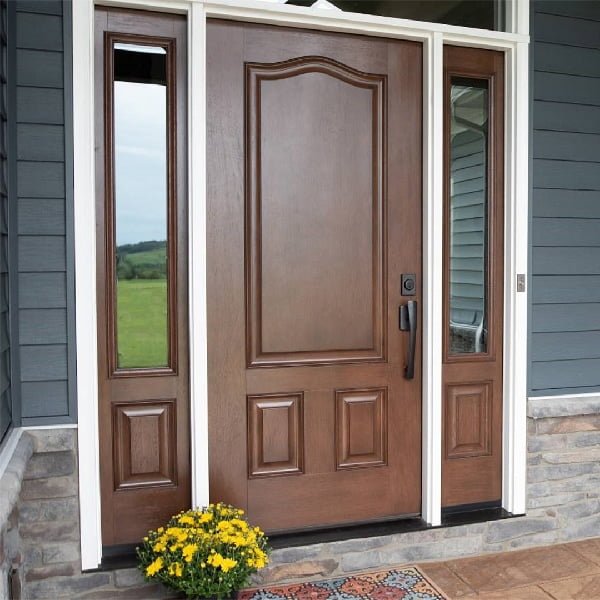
<point x="314" y="154"/>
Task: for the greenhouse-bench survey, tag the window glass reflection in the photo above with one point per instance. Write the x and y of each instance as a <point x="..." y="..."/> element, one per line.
<point x="468" y="240"/>
<point x="140" y="205"/>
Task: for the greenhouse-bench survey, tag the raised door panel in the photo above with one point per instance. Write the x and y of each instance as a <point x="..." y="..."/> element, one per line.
<point x="275" y="435"/>
<point x="361" y="428"/>
<point x="468" y="420"/>
<point x="145" y="444"/>
<point x="315" y="219"/>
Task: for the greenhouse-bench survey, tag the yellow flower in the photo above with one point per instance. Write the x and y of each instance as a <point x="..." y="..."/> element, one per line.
<point x="186" y="520"/>
<point x="176" y="569"/>
<point x="159" y="547"/>
<point x="215" y="560"/>
<point x="239" y="523"/>
<point x="218" y="561"/>
<point x="188" y="552"/>
<point x="155" y="567"/>
<point x="227" y="564"/>
<point x="206" y="517"/>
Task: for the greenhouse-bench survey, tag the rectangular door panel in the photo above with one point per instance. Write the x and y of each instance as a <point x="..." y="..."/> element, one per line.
<point x="299" y="156"/>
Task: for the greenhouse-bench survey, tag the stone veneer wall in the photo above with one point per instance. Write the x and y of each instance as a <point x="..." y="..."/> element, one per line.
<point x="41" y="537"/>
<point x="10" y="488"/>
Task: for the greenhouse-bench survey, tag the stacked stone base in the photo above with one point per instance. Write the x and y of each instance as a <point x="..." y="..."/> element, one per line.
<point x="40" y="535"/>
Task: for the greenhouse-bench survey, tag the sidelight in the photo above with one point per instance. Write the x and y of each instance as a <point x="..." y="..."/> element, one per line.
<point x="141" y="199"/>
<point x="468" y="217"/>
<point x="473" y="276"/>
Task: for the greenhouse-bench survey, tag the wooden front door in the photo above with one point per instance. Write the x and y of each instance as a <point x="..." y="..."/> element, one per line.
<point x="140" y="70"/>
<point x="314" y="156"/>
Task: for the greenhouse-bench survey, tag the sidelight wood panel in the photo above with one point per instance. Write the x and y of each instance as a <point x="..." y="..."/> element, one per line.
<point x="144" y="440"/>
<point x="473" y="277"/>
<point x="143" y="412"/>
<point x="468" y="420"/>
<point x="314" y="212"/>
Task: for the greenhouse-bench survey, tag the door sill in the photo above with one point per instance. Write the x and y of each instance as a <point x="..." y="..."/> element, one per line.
<point x="466" y="515"/>
<point x="121" y="557"/>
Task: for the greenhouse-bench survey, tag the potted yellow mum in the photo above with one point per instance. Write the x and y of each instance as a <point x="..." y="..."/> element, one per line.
<point x="205" y="553"/>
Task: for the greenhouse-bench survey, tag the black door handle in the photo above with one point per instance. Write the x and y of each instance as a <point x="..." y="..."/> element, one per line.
<point x="408" y="322"/>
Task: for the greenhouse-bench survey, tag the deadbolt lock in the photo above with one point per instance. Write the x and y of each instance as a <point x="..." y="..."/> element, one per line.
<point x="408" y="284"/>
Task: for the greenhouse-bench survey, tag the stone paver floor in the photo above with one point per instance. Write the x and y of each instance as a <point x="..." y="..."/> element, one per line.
<point x="562" y="572"/>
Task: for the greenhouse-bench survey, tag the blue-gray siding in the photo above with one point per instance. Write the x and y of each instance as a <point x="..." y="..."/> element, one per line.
<point x="565" y="254"/>
<point x="44" y="180"/>
<point x="5" y="315"/>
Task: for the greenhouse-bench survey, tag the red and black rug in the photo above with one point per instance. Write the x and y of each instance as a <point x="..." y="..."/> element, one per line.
<point x="406" y="583"/>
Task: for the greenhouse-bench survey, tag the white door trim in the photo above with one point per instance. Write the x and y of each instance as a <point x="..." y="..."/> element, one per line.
<point x="433" y="36"/>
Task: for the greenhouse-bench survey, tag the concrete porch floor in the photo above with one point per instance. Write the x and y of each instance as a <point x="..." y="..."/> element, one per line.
<point x="560" y="572"/>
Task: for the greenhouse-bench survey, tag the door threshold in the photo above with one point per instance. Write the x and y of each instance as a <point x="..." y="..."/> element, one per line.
<point x="124" y="556"/>
<point x="467" y="515"/>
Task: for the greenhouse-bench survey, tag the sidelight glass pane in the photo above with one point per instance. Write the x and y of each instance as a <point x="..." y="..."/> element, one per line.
<point x="468" y="215"/>
<point x="140" y="205"/>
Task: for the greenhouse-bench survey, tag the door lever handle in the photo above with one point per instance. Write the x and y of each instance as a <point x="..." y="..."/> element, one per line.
<point x="408" y="322"/>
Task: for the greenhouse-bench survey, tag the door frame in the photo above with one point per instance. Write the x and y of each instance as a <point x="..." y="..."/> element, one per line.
<point x="516" y="197"/>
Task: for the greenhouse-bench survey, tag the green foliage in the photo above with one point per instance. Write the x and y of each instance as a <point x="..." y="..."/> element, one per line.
<point x="204" y="553"/>
<point x="145" y="260"/>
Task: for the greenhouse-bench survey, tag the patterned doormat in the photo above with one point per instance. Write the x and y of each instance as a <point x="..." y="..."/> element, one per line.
<point x="406" y="583"/>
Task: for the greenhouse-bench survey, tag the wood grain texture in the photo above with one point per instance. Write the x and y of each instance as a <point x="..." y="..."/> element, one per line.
<point x="472" y="470"/>
<point x="361" y="428"/>
<point x="307" y="228"/>
<point x="333" y="235"/>
<point x="468" y="420"/>
<point x="275" y="435"/>
<point x="135" y="496"/>
<point x="145" y="443"/>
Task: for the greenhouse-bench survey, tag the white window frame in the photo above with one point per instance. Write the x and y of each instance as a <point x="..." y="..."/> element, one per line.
<point x="433" y="36"/>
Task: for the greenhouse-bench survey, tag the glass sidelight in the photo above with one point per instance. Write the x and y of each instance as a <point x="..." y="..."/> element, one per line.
<point x="142" y="243"/>
<point x="468" y="216"/>
<point x="141" y="265"/>
<point x="473" y="276"/>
